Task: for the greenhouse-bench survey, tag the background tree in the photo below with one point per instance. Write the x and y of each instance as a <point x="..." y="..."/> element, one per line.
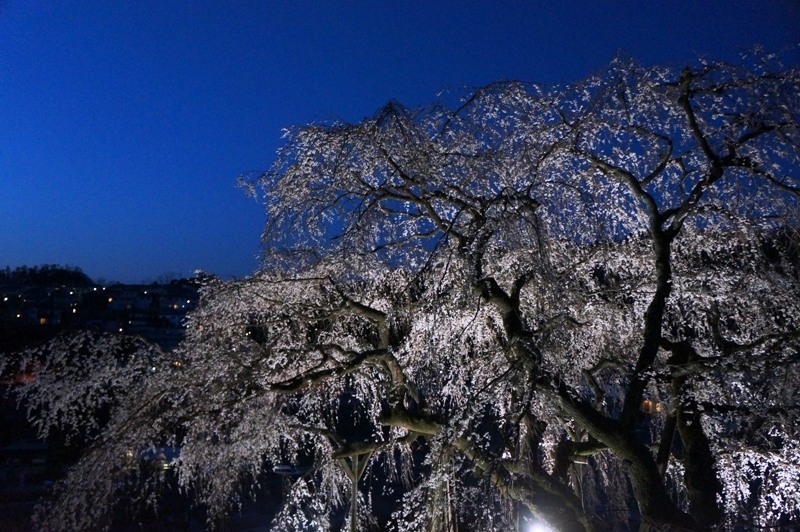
<point x="46" y="275"/>
<point x="579" y="302"/>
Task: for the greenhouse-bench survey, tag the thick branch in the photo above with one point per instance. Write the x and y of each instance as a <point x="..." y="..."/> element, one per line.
<point x="305" y="380"/>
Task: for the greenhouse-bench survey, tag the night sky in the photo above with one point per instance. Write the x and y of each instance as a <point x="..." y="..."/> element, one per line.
<point x="124" y="124"/>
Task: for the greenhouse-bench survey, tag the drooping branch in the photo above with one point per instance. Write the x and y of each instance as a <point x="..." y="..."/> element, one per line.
<point x="730" y="347"/>
<point x="533" y="487"/>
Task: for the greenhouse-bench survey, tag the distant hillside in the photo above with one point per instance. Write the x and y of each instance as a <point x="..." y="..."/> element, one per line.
<point x="44" y="275"/>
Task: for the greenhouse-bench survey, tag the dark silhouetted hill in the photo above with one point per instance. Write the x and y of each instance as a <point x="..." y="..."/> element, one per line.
<point x="44" y="275"/>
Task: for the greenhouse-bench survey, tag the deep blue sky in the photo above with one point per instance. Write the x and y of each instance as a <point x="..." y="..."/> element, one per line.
<point x="123" y="124"/>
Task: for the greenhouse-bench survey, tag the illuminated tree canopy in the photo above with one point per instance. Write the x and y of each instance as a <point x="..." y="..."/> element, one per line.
<point x="579" y="303"/>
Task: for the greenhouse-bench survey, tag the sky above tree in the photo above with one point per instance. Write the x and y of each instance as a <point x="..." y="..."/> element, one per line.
<point x="123" y="126"/>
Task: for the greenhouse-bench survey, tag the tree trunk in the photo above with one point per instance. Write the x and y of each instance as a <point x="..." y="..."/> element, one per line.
<point x="700" y="475"/>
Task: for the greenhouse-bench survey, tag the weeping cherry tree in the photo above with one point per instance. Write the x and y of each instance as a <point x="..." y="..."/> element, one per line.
<point x="577" y="303"/>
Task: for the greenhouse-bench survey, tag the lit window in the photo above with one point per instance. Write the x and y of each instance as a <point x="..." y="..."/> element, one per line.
<point x="42" y="321"/>
<point x="74" y="311"/>
<point x="651" y="407"/>
<point x="110" y="299"/>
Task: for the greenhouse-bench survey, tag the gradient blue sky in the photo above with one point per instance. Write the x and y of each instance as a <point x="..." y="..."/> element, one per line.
<point x="123" y="124"/>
